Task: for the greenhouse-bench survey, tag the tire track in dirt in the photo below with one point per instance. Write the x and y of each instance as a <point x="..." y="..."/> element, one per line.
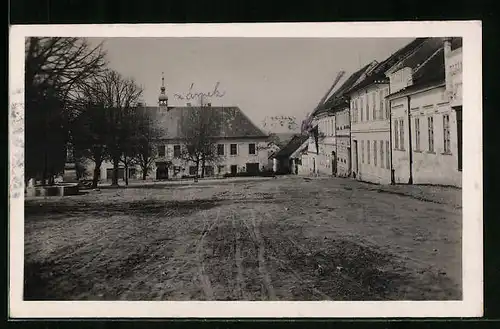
<point x="262" y="262"/>
<point x="283" y="264"/>
<point x="172" y="259"/>
<point x="206" y="284"/>
<point x="238" y="259"/>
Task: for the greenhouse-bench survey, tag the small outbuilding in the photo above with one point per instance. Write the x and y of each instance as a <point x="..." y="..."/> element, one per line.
<point x="288" y="159"/>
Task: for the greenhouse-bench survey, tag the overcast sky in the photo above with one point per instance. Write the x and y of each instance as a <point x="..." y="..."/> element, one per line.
<point x="263" y="76"/>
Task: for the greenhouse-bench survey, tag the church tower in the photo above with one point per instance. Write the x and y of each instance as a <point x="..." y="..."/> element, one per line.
<point x="163" y="98"/>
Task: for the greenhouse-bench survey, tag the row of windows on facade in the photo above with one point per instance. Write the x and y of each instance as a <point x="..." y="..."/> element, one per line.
<point x="326" y="126"/>
<point x="233" y="149"/>
<point x="209" y="170"/>
<point x="379" y="152"/>
<point x="372" y="106"/>
<point x="399" y="134"/>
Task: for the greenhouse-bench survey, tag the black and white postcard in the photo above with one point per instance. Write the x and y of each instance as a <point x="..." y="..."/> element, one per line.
<point x="246" y="170"/>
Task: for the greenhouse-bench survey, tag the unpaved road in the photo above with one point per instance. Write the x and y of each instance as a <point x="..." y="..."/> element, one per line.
<point x="271" y="239"/>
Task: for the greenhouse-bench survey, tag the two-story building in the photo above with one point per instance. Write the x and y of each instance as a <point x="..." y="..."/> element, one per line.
<point x="320" y="125"/>
<point x="339" y="105"/>
<point x="425" y="129"/>
<point x="240" y="145"/>
<point x="370" y="120"/>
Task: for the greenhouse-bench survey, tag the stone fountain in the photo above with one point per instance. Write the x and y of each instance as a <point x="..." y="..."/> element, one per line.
<point x="68" y="186"/>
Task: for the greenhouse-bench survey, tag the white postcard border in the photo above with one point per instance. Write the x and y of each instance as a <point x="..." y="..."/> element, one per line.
<point x="472" y="255"/>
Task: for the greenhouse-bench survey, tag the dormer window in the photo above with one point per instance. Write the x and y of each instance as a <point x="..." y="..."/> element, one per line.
<point x="401" y="79"/>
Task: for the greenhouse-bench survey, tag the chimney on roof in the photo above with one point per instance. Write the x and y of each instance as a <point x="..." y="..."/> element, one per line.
<point x="447" y="46"/>
<point x="447" y="51"/>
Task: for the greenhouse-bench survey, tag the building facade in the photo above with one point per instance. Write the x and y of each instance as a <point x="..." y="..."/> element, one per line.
<point x="425" y="128"/>
<point x="370" y="119"/>
<point x="239" y="144"/>
<point x="321" y="146"/>
<point x="235" y="155"/>
<point x="370" y="133"/>
<point x="343" y="161"/>
<point x="288" y="160"/>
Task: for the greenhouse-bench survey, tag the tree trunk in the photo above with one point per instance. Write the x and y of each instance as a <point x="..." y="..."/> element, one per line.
<point x="97" y="168"/>
<point x="144" y="173"/>
<point x="203" y="168"/>
<point x="126" y="172"/>
<point x="97" y="173"/>
<point x="197" y="169"/>
<point x="116" y="162"/>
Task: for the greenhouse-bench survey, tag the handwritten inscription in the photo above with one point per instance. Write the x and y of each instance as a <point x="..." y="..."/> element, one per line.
<point x="191" y="95"/>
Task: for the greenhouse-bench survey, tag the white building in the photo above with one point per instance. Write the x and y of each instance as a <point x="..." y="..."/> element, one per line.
<point x="319" y="156"/>
<point x="343" y="161"/>
<point x="241" y="145"/>
<point x="288" y="160"/>
<point x="338" y="105"/>
<point x="370" y="120"/>
<point x="426" y="131"/>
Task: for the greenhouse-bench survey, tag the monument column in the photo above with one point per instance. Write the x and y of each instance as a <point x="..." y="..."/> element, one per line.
<point x="69" y="175"/>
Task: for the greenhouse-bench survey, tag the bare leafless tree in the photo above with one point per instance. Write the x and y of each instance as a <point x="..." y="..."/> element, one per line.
<point x="148" y="133"/>
<point x="201" y="127"/>
<point x="89" y="136"/>
<point x="63" y="64"/>
<point x="54" y="67"/>
<point x="116" y="97"/>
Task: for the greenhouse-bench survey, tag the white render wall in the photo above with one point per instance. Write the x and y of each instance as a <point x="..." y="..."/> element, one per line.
<point x="320" y="161"/>
<point x="343" y="142"/>
<point x="429" y="167"/>
<point x="240" y="159"/>
<point x="371" y="129"/>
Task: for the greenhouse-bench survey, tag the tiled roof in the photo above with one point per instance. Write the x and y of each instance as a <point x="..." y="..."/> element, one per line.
<point x="337" y="95"/>
<point x="431" y="70"/>
<point x="378" y="73"/>
<point x="283" y="138"/>
<point x="233" y="122"/>
<point x="428" y="65"/>
<point x="292" y="146"/>
<point x="430" y="73"/>
<point x="422" y="54"/>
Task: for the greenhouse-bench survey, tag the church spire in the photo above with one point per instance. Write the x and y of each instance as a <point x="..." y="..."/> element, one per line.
<point x="163" y="98"/>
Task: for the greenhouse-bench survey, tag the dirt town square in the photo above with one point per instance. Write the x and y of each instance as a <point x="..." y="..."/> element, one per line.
<point x="288" y="238"/>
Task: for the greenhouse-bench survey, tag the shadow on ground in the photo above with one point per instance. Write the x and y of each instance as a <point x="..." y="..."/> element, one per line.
<point x="146" y="207"/>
